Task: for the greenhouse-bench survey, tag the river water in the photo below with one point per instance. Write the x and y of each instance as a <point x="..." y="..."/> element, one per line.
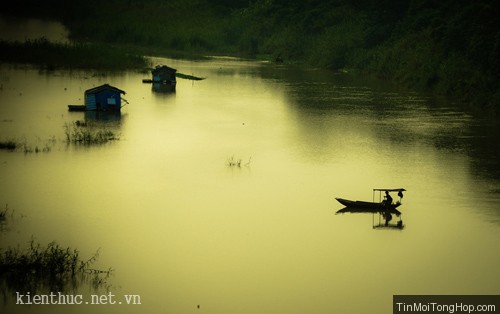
<point x="189" y="233"/>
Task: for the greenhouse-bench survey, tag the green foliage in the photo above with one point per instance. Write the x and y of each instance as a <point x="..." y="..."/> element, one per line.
<point x="333" y="47"/>
<point x="413" y="60"/>
<point x="162" y="25"/>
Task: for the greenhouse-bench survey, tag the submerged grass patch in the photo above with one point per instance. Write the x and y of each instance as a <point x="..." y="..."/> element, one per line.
<point x="3" y="212"/>
<point x="6" y="215"/>
<point x="88" y="133"/>
<point x="13" y="145"/>
<point x="78" y="132"/>
<point x="53" y="268"/>
<point x="233" y="162"/>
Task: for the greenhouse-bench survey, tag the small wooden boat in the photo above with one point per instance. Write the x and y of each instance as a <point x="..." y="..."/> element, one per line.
<point x="367" y="205"/>
<point x="385" y="208"/>
<point x="382" y="204"/>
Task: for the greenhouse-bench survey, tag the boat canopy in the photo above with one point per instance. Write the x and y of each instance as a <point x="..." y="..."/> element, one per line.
<point x="400" y="193"/>
<point x="390" y="190"/>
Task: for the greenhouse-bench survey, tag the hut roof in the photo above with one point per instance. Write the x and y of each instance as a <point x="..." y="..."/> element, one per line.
<point x="104" y="87"/>
<point x="162" y="69"/>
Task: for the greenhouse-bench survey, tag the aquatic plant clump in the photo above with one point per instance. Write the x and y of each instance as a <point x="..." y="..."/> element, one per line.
<point x="232" y="162"/>
<point x="8" y="145"/>
<point x="86" y="133"/>
<point x="28" y="149"/>
<point x="6" y="215"/>
<point x="3" y="212"/>
<point x="13" y="145"/>
<point x="53" y="268"/>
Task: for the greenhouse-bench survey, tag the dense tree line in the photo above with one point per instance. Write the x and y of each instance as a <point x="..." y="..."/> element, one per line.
<point x="447" y="46"/>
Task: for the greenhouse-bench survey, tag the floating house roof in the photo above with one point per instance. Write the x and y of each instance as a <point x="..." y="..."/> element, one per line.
<point x="163" y="69"/>
<point x="104" y="87"/>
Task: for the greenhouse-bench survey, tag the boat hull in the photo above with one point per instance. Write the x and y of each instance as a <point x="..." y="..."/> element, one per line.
<point x="368" y="205"/>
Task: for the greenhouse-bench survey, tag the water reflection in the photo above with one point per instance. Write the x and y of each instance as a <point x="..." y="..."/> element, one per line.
<point x="382" y="219"/>
<point x="163" y="88"/>
<point x="114" y="117"/>
<point x="387" y="224"/>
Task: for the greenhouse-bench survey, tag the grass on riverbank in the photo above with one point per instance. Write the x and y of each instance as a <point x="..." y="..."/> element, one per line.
<point x="52" y="267"/>
<point x="72" y="55"/>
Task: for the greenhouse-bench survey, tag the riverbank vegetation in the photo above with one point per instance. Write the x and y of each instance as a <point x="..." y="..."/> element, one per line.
<point x="448" y="47"/>
<point x="48" y="268"/>
<point x="70" y="55"/>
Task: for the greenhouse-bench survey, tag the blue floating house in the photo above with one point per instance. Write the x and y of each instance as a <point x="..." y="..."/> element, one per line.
<point x="104" y="98"/>
<point x="101" y="98"/>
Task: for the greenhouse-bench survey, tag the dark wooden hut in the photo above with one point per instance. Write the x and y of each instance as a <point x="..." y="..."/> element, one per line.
<point x="164" y="75"/>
